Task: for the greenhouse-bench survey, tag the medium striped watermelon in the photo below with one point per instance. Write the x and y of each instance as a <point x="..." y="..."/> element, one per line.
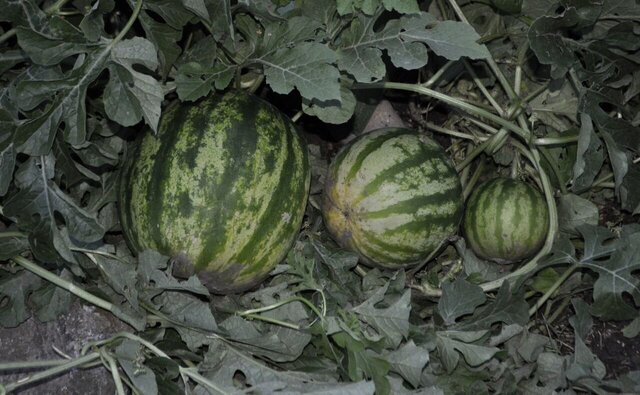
<point x="224" y="186"/>
<point x="506" y="220"/>
<point x="392" y="196"/>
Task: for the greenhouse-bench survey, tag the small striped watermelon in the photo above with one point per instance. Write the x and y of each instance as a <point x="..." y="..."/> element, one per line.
<point x="223" y="187"/>
<point x="392" y="196"/>
<point x="506" y="220"/>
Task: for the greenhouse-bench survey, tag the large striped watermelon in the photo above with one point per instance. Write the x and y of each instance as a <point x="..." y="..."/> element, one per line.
<point x="393" y="196"/>
<point x="223" y="187"/>
<point x="506" y="220"/>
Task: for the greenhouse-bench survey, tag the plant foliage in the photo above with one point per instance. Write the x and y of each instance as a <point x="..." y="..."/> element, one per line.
<point x="548" y="91"/>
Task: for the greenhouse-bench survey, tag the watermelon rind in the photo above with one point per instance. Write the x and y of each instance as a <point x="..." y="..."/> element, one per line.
<point x="506" y="220"/>
<point x="393" y="196"/>
<point x="223" y="186"/>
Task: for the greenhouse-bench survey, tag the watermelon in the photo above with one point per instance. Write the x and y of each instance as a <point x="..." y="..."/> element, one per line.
<point x="392" y="196"/>
<point x="222" y="188"/>
<point x="506" y="220"/>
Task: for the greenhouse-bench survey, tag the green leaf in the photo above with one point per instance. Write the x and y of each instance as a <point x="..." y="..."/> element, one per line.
<point x="404" y="40"/>
<point x="198" y="7"/>
<point x="130" y="356"/>
<point x="40" y="199"/>
<point x="475" y="267"/>
<point x="474" y="355"/>
<point x="306" y="67"/>
<point x="275" y="342"/>
<point x="574" y="211"/>
<point x="402" y="6"/>
<point x="223" y="361"/>
<point x="7" y="166"/>
<point x="459" y="298"/>
<point x="614" y="263"/>
<point x="52" y="301"/>
<point x="392" y="321"/>
<point x="508" y="308"/>
<point x="164" y="38"/>
<point x="408" y="361"/>
<point x="195" y="81"/>
<point x="544" y="280"/>
<point x="121" y="276"/>
<point x="582" y="321"/>
<point x="334" y="111"/>
<point x="14" y="291"/>
<point x="590" y="156"/>
<point x="48" y="49"/>
<point x="69" y="103"/>
<point x="12" y="246"/>
<point x="172" y="12"/>
<point x="152" y="268"/>
<point x="363" y="363"/>
<point x="131" y="95"/>
<point x="633" y="329"/>
<point x="187" y="310"/>
<point x="92" y="24"/>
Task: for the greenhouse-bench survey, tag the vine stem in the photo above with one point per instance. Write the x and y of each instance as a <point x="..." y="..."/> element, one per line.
<point x="53" y="371"/>
<point x="67" y="285"/>
<point x="524" y="134"/>
<point x="12" y="234"/>
<point x="490" y="61"/>
<point x="552" y="290"/>
<point x="7" y="35"/>
<point x="129" y="24"/>
<point x="438" y="74"/>
<point x="189" y="372"/>
<point x="55" y="7"/>
<point x="71" y="287"/>
<point x="483" y="89"/>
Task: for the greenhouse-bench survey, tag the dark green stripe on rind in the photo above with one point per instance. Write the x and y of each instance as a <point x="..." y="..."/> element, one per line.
<point x="363" y="147"/>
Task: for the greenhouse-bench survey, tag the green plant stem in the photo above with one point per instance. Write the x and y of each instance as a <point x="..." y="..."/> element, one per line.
<point x="32" y="364"/>
<point x="490" y="61"/>
<point x="55" y="7"/>
<point x="273" y="321"/>
<point x="610" y="185"/>
<point x="129" y="24"/>
<point x="438" y="74"/>
<point x="12" y="234"/>
<point x="474" y="179"/>
<point x="296" y="116"/>
<point x="115" y="374"/>
<point x="282" y="303"/>
<point x="556" y="140"/>
<point x="543" y="299"/>
<point x="53" y="371"/>
<point x="483" y="89"/>
<point x="69" y="286"/>
<point x="471" y="109"/>
<point x="453" y="133"/>
<point x="563" y="305"/>
<point x="186" y="371"/>
<point x="98" y="252"/>
<point x="554" y="169"/>
<point x="7" y="35"/>
<point x="472" y="155"/>
<point x="609" y="176"/>
<point x="360" y="271"/>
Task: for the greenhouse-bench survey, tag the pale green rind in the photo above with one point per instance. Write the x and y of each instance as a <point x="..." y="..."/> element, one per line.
<point x="225" y="184"/>
<point x="399" y="194"/>
<point x="505" y="220"/>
